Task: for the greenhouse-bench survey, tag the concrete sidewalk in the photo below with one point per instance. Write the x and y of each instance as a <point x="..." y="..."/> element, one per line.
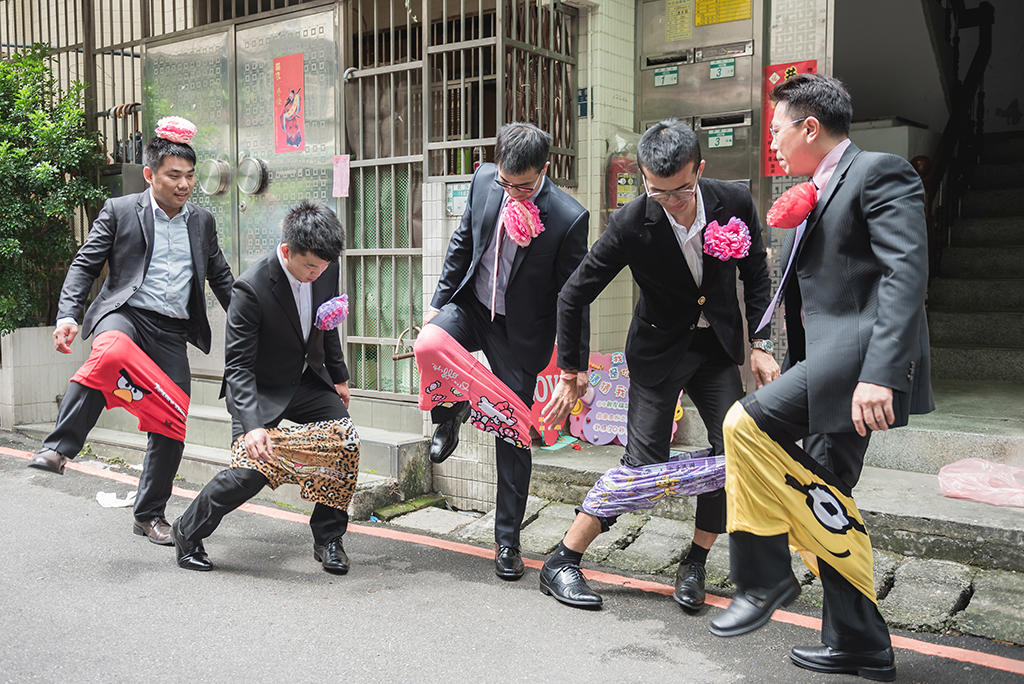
<point x="942" y="565"/>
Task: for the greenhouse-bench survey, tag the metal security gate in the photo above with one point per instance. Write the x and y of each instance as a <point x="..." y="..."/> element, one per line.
<point x="384" y="125"/>
<point x="428" y="84"/>
<point x="223" y="80"/>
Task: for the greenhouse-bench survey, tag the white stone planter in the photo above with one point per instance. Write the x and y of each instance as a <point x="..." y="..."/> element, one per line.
<point x="33" y="374"/>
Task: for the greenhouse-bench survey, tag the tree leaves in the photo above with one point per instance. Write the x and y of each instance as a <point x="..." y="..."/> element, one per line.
<point x="48" y="163"/>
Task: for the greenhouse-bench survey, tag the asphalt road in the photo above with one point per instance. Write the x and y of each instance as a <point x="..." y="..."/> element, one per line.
<point x="82" y="599"/>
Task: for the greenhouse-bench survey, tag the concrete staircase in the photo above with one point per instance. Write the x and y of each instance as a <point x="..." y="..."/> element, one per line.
<point x="976" y="301"/>
<point x="393" y="464"/>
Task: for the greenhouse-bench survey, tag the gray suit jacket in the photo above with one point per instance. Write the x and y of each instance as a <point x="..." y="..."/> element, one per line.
<point x="122" y="238"/>
<point x="862" y="272"/>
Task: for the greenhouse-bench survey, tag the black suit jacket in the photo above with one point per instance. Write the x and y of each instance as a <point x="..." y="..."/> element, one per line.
<point x="538" y="270"/>
<point x="862" y="272"/>
<point x="122" y="237"/>
<point x="640" y="237"/>
<point x="264" y="350"/>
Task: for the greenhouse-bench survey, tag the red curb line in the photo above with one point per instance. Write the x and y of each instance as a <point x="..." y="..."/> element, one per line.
<point x="963" y="655"/>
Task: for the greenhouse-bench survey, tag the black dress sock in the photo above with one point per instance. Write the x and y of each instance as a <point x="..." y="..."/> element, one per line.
<point x="696" y="554"/>
<point x="563" y="556"/>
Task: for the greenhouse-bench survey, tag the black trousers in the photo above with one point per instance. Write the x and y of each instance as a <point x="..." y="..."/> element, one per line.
<point x="850" y="621"/>
<point x="712" y="381"/>
<point x="232" y="487"/>
<point x="469" y="322"/>
<point x="164" y="340"/>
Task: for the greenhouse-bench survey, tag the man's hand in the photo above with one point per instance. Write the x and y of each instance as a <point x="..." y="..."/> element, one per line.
<point x="342" y="389"/>
<point x="429" y="316"/>
<point x="258" y="446"/>
<point x="763" y="366"/>
<point x="872" y="408"/>
<point x="562" y="400"/>
<point x="63" y="336"/>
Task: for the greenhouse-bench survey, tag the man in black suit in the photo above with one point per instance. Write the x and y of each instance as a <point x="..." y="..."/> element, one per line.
<point x="858" y="361"/>
<point x="686" y="333"/>
<point x="159" y="248"/>
<point x="278" y="365"/>
<point x="496" y="296"/>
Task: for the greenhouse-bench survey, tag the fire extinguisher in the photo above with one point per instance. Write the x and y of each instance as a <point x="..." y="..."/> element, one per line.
<point x="623" y="179"/>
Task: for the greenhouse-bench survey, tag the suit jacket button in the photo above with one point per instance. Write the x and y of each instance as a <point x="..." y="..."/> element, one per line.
<point x="701" y="300"/>
<point x="692" y="326"/>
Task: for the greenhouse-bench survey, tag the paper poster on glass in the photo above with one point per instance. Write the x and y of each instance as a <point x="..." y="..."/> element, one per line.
<point x="289" y="101"/>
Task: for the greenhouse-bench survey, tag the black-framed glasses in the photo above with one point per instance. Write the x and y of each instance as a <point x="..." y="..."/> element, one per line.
<point x="772" y="131"/>
<point x="677" y="194"/>
<point x="521" y="188"/>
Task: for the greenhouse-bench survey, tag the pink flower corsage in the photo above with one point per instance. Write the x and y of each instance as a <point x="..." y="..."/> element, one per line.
<point x="794" y="206"/>
<point x="522" y="221"/>
<point x="176" y="129"/>
<point x="731" y="241"/>
<point x="331" y="313"/>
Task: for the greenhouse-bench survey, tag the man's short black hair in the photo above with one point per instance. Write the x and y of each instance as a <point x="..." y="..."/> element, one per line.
<point x="667" y="147"/>
<point x="823" y="97"/>
<point x="312" y="227"/>
<point x="159" y="149"/>
<point x="521" y="147"/>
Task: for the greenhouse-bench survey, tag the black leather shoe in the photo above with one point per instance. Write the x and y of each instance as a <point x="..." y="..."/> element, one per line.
<point x="567" y="585"/>
<point x="332" y="556"/>
<point x="689" y="591"/>
<point x="191" y="555"/>
<point x="508" y="563"/>
<point x="751" y="609"/>
<point x="446" y="434"/>
<point x="877" y="665"/>
<point x="49" y="460"/>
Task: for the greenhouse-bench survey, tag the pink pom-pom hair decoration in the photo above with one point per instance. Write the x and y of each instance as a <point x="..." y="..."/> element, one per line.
<point x="731" y="241"/>
<point x="176" y="129"/>
<point x="522" y="221"/>
<point x="331" y="313"/>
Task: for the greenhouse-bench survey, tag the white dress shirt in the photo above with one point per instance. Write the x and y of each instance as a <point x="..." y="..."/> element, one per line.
<point x="303" y="293"/>
<point x="692" y="244"/>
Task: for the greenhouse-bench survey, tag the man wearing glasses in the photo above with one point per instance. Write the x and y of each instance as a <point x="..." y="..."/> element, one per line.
<point x="686" y="333"/>
<point x="497" y="293"/>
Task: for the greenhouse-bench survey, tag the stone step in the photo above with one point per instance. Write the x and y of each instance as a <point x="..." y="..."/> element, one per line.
<point x="905" y="511"/>
<point x="1003" y="148"/>
<point x="972" y="328"/>
<point x="990" y="231"/>
<point x="998" y="202"/>
<point x="977" y="363"/>
<point x="975" y="294"/>
<point x="998" y="175"/>
<point x="381" y="454"/>
<point x="971" y="417"/>
<point x="982" y="262"/>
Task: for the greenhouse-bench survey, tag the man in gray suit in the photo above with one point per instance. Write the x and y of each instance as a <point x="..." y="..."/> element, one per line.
<point x="858" y="361"/>
<point x="159" y="248"/>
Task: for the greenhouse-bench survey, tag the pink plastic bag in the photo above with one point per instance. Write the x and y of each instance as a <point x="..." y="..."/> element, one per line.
<point x="985" y="481"/>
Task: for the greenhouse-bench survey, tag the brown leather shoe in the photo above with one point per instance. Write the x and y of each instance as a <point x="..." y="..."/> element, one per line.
<point x="157" y="529"/>
<point x="49" y="460"/>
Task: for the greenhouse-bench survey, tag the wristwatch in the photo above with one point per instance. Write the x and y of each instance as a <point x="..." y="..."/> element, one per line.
<point x="764" y="345"/>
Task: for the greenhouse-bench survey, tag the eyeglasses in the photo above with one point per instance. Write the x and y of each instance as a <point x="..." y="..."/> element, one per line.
<point x="521" y="188"/>
<point x="772" y="131"/>
<point x="677" y="194"/>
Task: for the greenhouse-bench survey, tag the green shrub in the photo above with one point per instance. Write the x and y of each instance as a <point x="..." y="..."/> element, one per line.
<point x="48" y="162"/>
